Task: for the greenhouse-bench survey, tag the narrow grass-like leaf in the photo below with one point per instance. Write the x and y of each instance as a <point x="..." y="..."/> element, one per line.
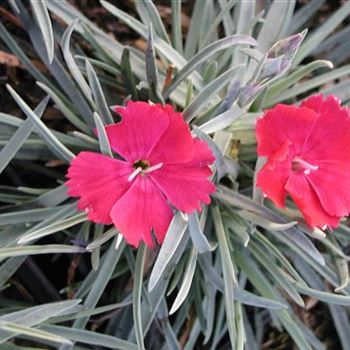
<point x="341" y="90"/>
<point x="37" y="314"/>
<point x="220" y="163"/>
<point x="33" y="333"/>
<point x="96" y="253"/>
<point x="106" y="268"/>
<point x="341" y="324"/>
<point x="73" y="68"/>
<point x="20" y="136"/>
<point x="56" y="68"/>
<point x="176" y="22"/>
<point x="102" y="136"/>
<point x="66" y="111"/>
<point x="43" y="19"/>
<point x="273" y="251"/>
<point x="127" y="74"/>
<point x="322" y="32"/>
<point x="296" y="76"/>
<point x="44" y="131"/>
<point x="240" y="295"/>
<point x="193" y="34"/>
<point x="98" y="94"/>
<point x="273" y="226"/>
<point x="340" y="54"/>
<point x="199" y="240"/>
<point x="276" y="22"/>
<point x="74" y="314"/>
<point x="39" y="249"/>
<point x="171" y="242"/>
<point x="171" y="54"/>
<point x="210" y="312"/>
<point x="90" y="35"/>
<point x="137" y="291"/>
<point x="26" y="216"/>
<point x="204" y="55"/>
<point x="303" y="15"/>
<point x="222" y="120"/>
<point x="294" y="237"/>
<point x="14" y="47"/>
<point x="50" y="198"/>
<point x="189" y="93"/>
<point x="228" y="25"/>
<point x="91" y="338"/>
<point x="225" y="9"/>
<point x="151" y="69"/>
<point x="153" y="15"/>
<point x="201" y="100"/>
<point x="251" y="299"/>
<point x="330" y="298"/>
<point x="333" y="247"/>
<point x="100" y="64"/>
<point x="343" y="273"/>
<point x="277" y="274"/>
<point x="251" y="341"/>
<point x="314" y="341"/>
<point x="186" y="283"/>
<point x="102" y="239"/>
<point x="241" y="335"/>
<point x="9" y="267"/>
<point x="55" y="227"/>
<point x="260" y="282"/>
<point x="170" y="337"/>
<point x="228" y="273"/>
<point x="334" y="41"/>
<point x="210" y="72"/>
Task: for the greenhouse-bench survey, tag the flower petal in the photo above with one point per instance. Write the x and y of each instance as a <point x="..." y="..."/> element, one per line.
<point x="99" y="181"/>
<point x="327" y="146"/>
<point x="331" y="183"/>
<point x="283" y="123"/>
<point x="323" y="104"/>
<point x="307" y="201"/>
<point x="185" y="185"/>
<point x="274" y="175"/>
<point x="142" y="208"/>
<point x="176" y="143"/>
<point x="141" y="128"/>
<point x="202" y="154"/>
<point x="328" y="140"/>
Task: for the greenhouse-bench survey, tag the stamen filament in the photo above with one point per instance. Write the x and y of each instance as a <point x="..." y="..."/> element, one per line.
<point x="305" y="164"/>
<point x="134" y="174"/>
<point x="152" y="168"/>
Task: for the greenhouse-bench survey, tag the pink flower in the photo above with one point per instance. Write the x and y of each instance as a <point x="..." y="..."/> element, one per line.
<point x="308" y="158"/>
<point x="162" y="167"/>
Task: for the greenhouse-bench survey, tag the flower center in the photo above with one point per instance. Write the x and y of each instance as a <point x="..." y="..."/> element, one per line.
<point x="143" y="167"/>
<point x="301" y="164"/>
<point x="143" y="164"/>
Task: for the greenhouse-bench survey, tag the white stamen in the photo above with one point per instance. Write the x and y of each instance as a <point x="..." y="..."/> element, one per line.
<point x="308" y="167"/>
<point x="134" y="174"/>
<point x="264" y="195"/>
<point x="324" y="227"/>
<point x="152" y="168"/>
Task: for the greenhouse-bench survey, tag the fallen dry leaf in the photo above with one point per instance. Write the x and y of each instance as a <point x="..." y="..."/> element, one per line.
<point x="9" y="60"/>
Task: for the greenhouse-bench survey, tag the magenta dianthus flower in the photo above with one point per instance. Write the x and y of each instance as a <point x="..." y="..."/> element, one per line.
<point x="162" y="167"/>
<point x="308" y="158"/>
